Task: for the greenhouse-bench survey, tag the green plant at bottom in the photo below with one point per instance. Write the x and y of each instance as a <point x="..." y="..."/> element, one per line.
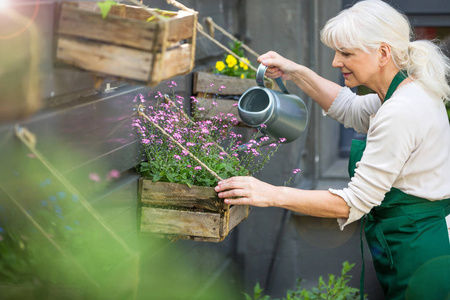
<point x="335" y="288"/>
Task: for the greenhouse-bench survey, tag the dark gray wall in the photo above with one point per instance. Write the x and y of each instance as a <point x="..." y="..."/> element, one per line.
<point x="83" y="129"/>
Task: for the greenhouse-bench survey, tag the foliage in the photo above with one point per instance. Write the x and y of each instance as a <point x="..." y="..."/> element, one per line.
<point x="105" y="7"/>
<point x="230" y="66"/>
<point x="335" y="288"/>
<point x="211" y="140"/>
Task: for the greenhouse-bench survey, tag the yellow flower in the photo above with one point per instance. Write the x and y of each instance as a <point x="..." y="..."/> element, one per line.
<point x="242" y="76"/>
<point x="243" y="65"/>
<point x="220" y="66"/>
<point x="231" y="61"/>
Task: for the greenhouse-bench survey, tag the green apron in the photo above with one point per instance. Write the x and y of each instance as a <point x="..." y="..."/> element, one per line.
<point x="407" y="237"/>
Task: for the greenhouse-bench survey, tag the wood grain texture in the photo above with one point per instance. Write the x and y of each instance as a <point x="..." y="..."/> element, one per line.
<point x="224" y="106"/>
<point x="176" y="222"/>
<point x="180" y="195"/>
<point x="124" y="44"/>
<point x="177" y="211"/>
<point x="233" y="85"/>
<point x="105" y="58"/>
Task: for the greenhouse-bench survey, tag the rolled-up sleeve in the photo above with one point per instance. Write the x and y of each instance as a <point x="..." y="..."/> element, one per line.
<point x="352" y="110"/>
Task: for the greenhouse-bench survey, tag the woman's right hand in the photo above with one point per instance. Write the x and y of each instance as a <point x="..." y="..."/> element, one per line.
<point x="278" y="66"/>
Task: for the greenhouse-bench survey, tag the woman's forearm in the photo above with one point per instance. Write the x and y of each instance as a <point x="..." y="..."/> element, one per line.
<point x="321" y="90"/>
<point x="314" y="203"/>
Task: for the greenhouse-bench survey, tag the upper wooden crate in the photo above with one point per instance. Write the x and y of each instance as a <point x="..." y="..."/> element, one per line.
<point x="125" y="44"/>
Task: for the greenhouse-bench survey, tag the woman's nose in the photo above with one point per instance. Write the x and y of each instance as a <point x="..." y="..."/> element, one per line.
<point x="337" y="63"/>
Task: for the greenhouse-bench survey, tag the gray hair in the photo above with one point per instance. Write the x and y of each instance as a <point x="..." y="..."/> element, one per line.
<point x="369" y="23"/>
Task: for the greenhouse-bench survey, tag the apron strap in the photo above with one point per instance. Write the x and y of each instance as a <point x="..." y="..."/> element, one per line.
<point x="363" y="268"/>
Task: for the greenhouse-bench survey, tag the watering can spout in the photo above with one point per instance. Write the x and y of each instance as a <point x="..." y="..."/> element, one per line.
<point x="284" y="115"/>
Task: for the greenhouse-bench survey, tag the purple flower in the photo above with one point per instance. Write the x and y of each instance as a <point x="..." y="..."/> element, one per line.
<point x="197" y="168"/>
<point x="94" y="177"/>
<point x="177" y="157"/>
<point x="282" y="140"/>
<point x="295" y="171"/>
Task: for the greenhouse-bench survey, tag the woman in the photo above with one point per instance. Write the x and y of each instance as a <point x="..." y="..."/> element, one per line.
<point x="398" y="175"/>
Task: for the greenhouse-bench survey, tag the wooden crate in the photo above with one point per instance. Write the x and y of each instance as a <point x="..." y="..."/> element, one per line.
<point x="225" y="98"/>
<point x="125" y="44"/>
<point x="176" y="211"/>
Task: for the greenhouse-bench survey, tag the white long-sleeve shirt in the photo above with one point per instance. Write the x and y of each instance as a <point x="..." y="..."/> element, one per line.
<point x="408" y="147"/>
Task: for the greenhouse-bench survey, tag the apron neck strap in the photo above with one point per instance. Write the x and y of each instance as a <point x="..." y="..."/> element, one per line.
<point x="401" y="75"/>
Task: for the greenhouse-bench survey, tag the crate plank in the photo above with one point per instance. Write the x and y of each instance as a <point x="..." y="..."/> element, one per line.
<point x="180" y="196"/>
<point x="167" y="210"/>
<point x="103" y="58"/>
<point x="128" y="32"/>
<point x="124" y="44"/>
<point x="176" y="222"/>
<point x="233" y="85"/>
<point x="224" y="106"/>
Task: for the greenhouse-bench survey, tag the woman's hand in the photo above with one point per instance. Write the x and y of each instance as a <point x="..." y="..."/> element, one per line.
<point x="278" y="66"/>
<point x="249" y="190"/>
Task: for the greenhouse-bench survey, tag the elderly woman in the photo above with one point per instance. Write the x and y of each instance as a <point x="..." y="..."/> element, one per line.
<point x="399" y="174"/>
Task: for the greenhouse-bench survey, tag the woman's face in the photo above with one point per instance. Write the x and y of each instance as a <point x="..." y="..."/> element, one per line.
<point x="357" y="66"/>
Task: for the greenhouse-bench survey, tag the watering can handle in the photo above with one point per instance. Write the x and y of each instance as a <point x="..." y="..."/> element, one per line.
<point x="260" y="79"/>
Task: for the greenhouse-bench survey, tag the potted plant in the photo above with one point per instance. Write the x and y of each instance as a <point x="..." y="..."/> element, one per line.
<point x="335" y="288"/>
<point x="183" y="159"/>
<point x="236" y="75"/>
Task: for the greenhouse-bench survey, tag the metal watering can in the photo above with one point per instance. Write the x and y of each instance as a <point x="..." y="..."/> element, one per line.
<point x="284" y="114"/>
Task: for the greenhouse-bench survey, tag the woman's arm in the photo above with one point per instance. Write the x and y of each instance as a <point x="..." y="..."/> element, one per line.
<point x="321" y="90"/>
<point x="254" y="192"/>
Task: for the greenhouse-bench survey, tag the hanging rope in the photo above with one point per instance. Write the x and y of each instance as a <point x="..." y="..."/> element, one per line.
<point x="210" y="22"/>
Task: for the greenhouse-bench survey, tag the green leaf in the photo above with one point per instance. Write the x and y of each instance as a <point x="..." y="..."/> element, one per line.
<point x="105" y="7"/>
<point x="156" y="177"/>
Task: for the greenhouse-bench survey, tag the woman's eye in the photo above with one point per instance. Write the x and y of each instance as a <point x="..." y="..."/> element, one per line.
<point x="346" y="54"/>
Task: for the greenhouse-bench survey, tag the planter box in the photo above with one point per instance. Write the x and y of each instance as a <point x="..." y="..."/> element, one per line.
<point x="176" y="211"/>
<point x="124" y="44"/>
<point x="224" y="97"/>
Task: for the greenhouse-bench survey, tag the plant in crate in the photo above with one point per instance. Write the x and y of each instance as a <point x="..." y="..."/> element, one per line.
<point x="184" y="158"/>
<point x="231" y="66"/>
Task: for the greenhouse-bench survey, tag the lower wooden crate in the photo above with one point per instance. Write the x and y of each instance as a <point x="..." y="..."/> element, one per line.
<point x="178" y="212"/>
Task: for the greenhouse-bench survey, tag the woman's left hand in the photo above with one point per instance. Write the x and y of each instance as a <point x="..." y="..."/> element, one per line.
<point x="249" y="191"/>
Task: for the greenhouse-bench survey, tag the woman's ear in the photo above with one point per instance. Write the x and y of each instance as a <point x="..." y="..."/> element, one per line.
<point x="384" y="54"/>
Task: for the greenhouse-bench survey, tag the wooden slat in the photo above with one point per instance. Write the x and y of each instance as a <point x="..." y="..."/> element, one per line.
<point x="224" y="106"/>
<point x="233" y="85"/>
<point x="176" y="222"/>
<point x="103" y="58"/>
<point x="125" y="25"/>
<point x="115" y="30"/>
<point x="176" y="61"/>
<point x="179" y="195"/>
<point x="238" y="213"/>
